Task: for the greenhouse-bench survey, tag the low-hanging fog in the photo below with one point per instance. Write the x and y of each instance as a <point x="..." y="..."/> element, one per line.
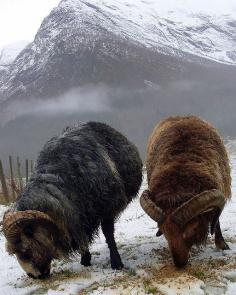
<point x="28" y="124"/>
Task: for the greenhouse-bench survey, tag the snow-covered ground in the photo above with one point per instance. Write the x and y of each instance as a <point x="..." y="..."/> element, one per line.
<point x="148" y="265"/>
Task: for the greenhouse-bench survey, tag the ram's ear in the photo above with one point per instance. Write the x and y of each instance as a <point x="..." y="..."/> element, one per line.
<point x="190" y="229"/>
<point x="10" y="248"/>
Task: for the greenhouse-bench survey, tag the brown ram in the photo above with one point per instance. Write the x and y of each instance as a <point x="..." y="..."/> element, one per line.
<point x="189" y="183"/>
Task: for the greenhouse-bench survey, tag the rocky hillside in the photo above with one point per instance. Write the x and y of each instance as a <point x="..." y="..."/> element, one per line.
<point x="116" y="42"/>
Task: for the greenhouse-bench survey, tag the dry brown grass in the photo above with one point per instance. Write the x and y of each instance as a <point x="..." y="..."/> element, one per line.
<point x="209" y="270"/>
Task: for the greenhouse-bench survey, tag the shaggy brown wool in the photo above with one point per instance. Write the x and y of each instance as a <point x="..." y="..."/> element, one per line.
<point x="185" y="156"/>
<point x="186" y="159"/>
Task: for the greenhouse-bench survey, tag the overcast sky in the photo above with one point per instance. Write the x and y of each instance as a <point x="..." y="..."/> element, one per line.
<point x="20" y="19"/>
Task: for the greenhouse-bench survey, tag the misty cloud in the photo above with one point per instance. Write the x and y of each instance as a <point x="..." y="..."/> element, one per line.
<point x="77" y="100"/>
<point x="133" y="111"/>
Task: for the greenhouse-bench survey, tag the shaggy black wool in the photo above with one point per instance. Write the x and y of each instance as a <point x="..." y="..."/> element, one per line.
<point x="88" y="174"/>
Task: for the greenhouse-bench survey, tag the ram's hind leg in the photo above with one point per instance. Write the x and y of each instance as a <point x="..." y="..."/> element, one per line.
<point x="219" y="239"/>
<point x="86" y="258"/>
<point x="108" y="231"/>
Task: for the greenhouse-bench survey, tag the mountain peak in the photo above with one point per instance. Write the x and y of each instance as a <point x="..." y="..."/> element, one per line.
<point x="9" y="52"/>
<point x="94" y="41"/>
<point x="154" y="24"/>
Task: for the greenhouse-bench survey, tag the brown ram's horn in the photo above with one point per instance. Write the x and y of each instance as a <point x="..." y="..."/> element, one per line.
<point x="14" y="222"/>
<point x="150" y="207"/>
<point x="205" y="201"/>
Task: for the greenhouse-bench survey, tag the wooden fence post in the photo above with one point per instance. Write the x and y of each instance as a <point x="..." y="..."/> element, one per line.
<point x="27" y="170"/>
<point x="13" y="197"/>
<point x="31" y="167"/>
<point x="4" y="185"/>
<point x="19" y="175"/>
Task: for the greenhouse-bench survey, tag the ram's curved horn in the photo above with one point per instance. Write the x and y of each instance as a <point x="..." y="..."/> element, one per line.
<point x="15" y="222"/>
<point x="205" y="201"/>
<point x="150" y="207"/>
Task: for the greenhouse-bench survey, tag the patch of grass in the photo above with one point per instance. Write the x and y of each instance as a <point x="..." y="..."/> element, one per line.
<point x="120" y="246"/>
<point x="146" y="283"/>
<point x="120" y="280"/>
<point x="58" y="263"/>
<point x="149" y="288"/>
<point x="67" y="273"/>
<point x="199" y="275"/>
<point x="39" y="291"/>
<point x="212" y="263"/>
<point x="152" y="290"/>
<point x="93" y="287"/>
<point x="132" y="272"/>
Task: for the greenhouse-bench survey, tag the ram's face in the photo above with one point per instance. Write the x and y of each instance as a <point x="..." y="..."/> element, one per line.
<point x="181" y="239"/>
<point x="187" y="224"/>
<point x="34" y="268"/>
<point x="32" y="241"/>
<point x="34" y="251"/>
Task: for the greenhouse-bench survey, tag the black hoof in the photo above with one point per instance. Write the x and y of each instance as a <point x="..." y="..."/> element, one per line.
<point x="117" y="265"/>
<point x="86" y="263"/>
<point x="159" y="233"/>
<point x="222" y="246"/>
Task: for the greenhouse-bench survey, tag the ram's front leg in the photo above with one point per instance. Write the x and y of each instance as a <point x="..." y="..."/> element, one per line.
<point x="86" y="258"/>
<point x="108" y="231"/>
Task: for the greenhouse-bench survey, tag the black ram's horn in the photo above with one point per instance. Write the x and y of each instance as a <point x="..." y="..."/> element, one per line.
<point x="15" y="222"/>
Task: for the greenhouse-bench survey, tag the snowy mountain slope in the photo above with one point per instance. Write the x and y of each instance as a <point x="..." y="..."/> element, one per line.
<point x="10" y="52"/>
<point x="148" y="265"/>
<point x="115" y="41"/>
<point x="171" y="32"/>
